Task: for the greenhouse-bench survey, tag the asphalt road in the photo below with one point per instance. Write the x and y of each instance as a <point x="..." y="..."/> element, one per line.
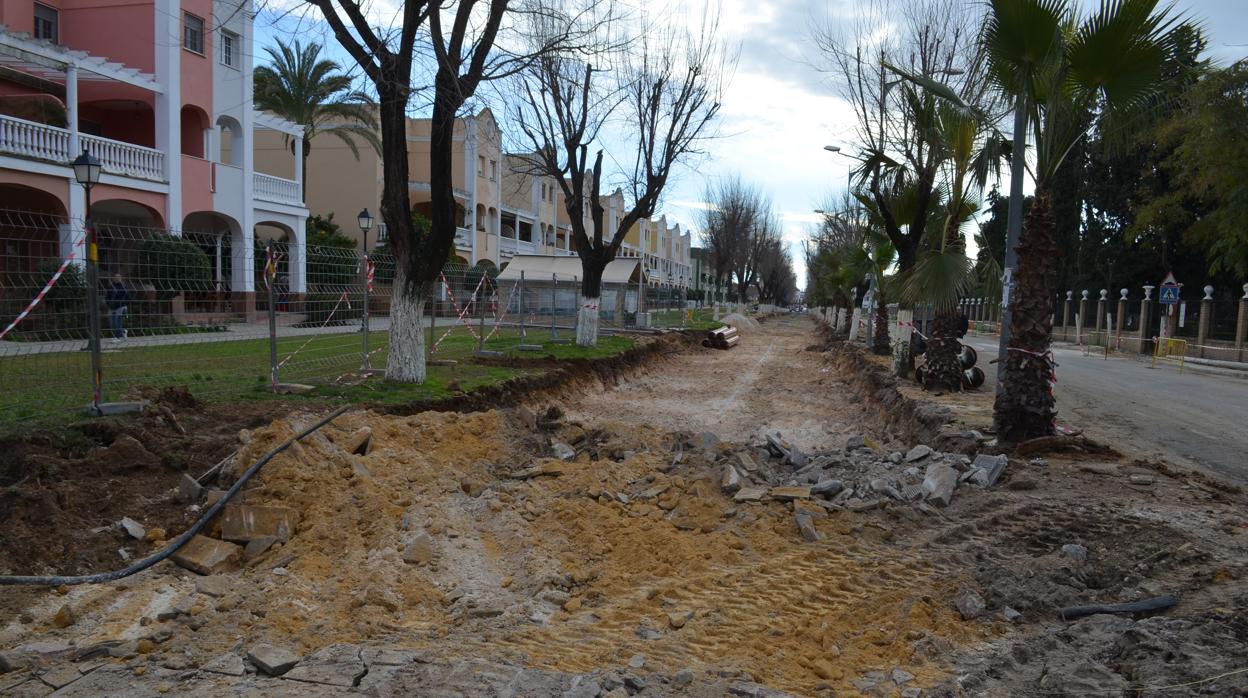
<point x="1187" y="419"/>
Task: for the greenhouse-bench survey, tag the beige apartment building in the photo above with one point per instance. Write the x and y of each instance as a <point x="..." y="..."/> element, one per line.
<point x="502" y="211"/>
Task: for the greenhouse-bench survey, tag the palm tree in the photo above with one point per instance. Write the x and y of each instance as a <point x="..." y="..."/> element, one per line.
<point x="1058" y="70"/>
<point x="300" y="86"/>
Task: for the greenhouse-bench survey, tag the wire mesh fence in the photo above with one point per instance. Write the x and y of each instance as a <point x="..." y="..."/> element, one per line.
<point x="197" y="309"/>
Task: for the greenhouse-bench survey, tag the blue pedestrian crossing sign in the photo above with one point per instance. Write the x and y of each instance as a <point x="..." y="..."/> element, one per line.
<point x="1169" y="291"/>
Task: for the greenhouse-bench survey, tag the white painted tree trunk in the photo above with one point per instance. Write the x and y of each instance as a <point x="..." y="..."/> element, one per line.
<point x="587" y="323"/>
<point x="406" y="362"/>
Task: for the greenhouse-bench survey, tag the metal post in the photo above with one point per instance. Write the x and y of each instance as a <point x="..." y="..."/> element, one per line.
<point x="368" y="282"/>
<point x="481" y="316"/>
<point x="1241" y="325"/>
<point x="554" y="298"/>
<point x="520" y="308"/>
<point x="270" y="275"/>
<point x="1014" y="231"/>
<point x="93" y="309"/>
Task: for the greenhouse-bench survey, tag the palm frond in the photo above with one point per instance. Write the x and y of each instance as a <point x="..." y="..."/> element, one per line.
<point x="939" y="278"/>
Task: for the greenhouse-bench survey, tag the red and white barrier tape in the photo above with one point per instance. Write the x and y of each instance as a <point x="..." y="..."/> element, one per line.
<point x="459" y="313"/>
<point x="497" y="318"/>
<point x="314" y="336"/>
<point x="40" y="296"/>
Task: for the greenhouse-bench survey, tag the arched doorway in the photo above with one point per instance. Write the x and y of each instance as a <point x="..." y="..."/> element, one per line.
<point x="195" y="125"/>
<point x="214" y="233"/>
<point x="231" y="141"/>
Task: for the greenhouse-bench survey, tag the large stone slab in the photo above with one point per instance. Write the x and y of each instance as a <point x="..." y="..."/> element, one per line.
<point x="939" y="483"/>
<point x="243" y="523"/>
<point x="205" y="555"/>
<point x="272" y="660"/>
<point x="335" y="665"/>
<point x="988" y="469"/>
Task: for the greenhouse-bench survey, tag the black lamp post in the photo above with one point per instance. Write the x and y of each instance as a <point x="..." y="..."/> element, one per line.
<point x="365" y="220"/>
<point x="87" y="173"/>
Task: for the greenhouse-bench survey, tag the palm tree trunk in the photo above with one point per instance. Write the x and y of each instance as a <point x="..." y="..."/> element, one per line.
<point x="944" y="363"/>
<point x="1025" y="408"/>
<point x="881" y="341"/>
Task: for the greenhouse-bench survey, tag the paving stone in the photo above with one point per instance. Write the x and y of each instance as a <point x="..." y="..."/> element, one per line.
<point x="272" y="660"/>
<point x="807" y="528"/>
<point x="215" y="585"/>
<point x="786" y="494"/>
<point x="918" y="453"/>
<point x="61" y="676"/>
<point x="335" y="665"/>
<point x="189" y="489"/>
<point x="229" y="664"/>
<point x="731" y="479"/>
<point x="208" y="555"/>
<point x="750" y="494"/>
<point x="359" y="441"/>
<point x="243" y="523"/>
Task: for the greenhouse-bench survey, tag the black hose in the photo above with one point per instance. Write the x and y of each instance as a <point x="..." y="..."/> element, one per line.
<point x="152" y="559"/>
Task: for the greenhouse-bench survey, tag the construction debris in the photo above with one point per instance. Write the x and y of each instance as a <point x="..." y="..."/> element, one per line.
<point x="205" y="555"/>
<point x="721" y="338"/>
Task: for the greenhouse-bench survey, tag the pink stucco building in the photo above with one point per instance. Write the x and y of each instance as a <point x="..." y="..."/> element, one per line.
<point x="161" y="92"/>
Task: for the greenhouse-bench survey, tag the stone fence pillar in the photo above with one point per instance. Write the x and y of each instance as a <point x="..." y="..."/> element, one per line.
<point x="1120" y="322"/>
<point x="1066" y="315"/>
<point x="1081" y="320"/>
<point x="1241" y="325"/>
<point x="1206" y="316"/>
<point x="1100" y="311"/>
<point x="1145" y="320"/>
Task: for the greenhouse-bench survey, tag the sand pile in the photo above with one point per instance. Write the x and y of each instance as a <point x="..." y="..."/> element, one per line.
<point x="460" y="534"/>
<point x="741" y="322"/>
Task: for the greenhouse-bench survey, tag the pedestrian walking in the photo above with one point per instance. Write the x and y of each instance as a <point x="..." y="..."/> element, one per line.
<point x="117" y="300"/>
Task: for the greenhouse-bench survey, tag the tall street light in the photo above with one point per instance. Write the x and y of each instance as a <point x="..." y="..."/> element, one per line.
<point x="87" y="173"/>
<point x="365" y="219"/>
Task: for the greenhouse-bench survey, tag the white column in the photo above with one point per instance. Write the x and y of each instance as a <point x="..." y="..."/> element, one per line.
<point x="299" y="258"/>
<point x="71" y="107"/>
<point x="299" y="164"/>
<point x="168" y="23"/>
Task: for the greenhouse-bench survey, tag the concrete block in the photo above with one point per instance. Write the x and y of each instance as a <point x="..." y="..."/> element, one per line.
<point x="243" y="523"/>
<point x="806" y="526"/>
<point x="205" y="555"/>
<point x="189" y="489"/>
<point x="939" y="483"/>
<point x="273" y="661"/>
<point x="731" y="480"/>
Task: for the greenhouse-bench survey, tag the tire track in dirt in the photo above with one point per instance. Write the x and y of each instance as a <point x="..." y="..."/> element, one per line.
<point x="768" y="383"/>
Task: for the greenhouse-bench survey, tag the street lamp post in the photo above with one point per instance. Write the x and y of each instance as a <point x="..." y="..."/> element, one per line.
<point x="87" y="173"/>
<point x="365" y="220"/>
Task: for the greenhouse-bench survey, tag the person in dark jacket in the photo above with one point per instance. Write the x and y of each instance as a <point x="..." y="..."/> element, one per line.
<point x="964" y="324"/>
<point x="117" y="300"/>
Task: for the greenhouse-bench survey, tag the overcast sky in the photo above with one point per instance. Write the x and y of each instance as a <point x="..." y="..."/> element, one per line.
<point x="780" y="110"/>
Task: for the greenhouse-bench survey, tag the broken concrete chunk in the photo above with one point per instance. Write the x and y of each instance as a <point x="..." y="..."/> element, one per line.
<point x="205" y="555"/>
<point x="273" y="661"/>
<point x="64" y="617"/>
<point x="918" y="453"/>
<point x="228" y="664"/>
<point x="335" y="665"/>
<point x="682" y="678"/>
<point x="562" y="450"/>
<point x="258" y="546"/>
<point x="189" y="489"/>
<point x="988" y="469"/>
<point x="827" y="488"/>
<point x="527" y="417"/>
<point x="970" y="604"/>
<point x="706" y="440"/>
<point x="242" y="523"/>
<point x="1141" y="479"/>
<point x="806" y="526"/>
<point x="731" y="480"/>
<point x="855" y="442"/>
<point x="61" y="676"/>
<point x="939" y="483"/>
<point x="747" y="462"/>
<point x="132" y="528"/>
<point x="1010" y="615"/>
<point x="900" y="676"/>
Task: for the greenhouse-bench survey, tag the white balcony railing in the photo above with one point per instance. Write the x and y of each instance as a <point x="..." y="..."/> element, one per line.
<point x="463" y="238"/>
<point x="126" y="158"/>
<point x="33" y="140"/>
<point x="281" y="191"/>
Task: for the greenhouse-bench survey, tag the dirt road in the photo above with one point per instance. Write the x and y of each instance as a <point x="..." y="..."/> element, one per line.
<point x="460" y="554"/>
<point x="769" y="383"/>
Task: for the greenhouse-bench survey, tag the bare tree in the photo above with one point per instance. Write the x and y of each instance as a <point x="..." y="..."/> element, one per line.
<point x="898" y="163"/>
<point x="776" y="280"/>
<point x="667" y="85"/>
<point x="464" y="55"/>
<point x="732" y="212"/>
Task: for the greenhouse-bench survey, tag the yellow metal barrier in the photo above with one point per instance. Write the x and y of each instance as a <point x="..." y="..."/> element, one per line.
<point x="1169" y="348"/>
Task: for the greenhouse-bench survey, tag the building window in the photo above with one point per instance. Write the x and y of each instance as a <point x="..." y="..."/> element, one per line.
<point x="543" y="191"/>
<point x="229" y="49"/>
<point x="480" y="165"/>
<point x="192" y="33"/>
<point x="493" y="170"/>
<point x="46" y="21"/>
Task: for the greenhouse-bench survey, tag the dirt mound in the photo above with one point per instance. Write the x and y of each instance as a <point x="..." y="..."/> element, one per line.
<point x="742" y="323"/>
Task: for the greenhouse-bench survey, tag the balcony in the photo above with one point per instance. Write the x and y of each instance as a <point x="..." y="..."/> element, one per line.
<point x="512" y="246"/>
<point x="27" y="139"/>
<point x="276" y="190"/>
<point x="463" y="238"/>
